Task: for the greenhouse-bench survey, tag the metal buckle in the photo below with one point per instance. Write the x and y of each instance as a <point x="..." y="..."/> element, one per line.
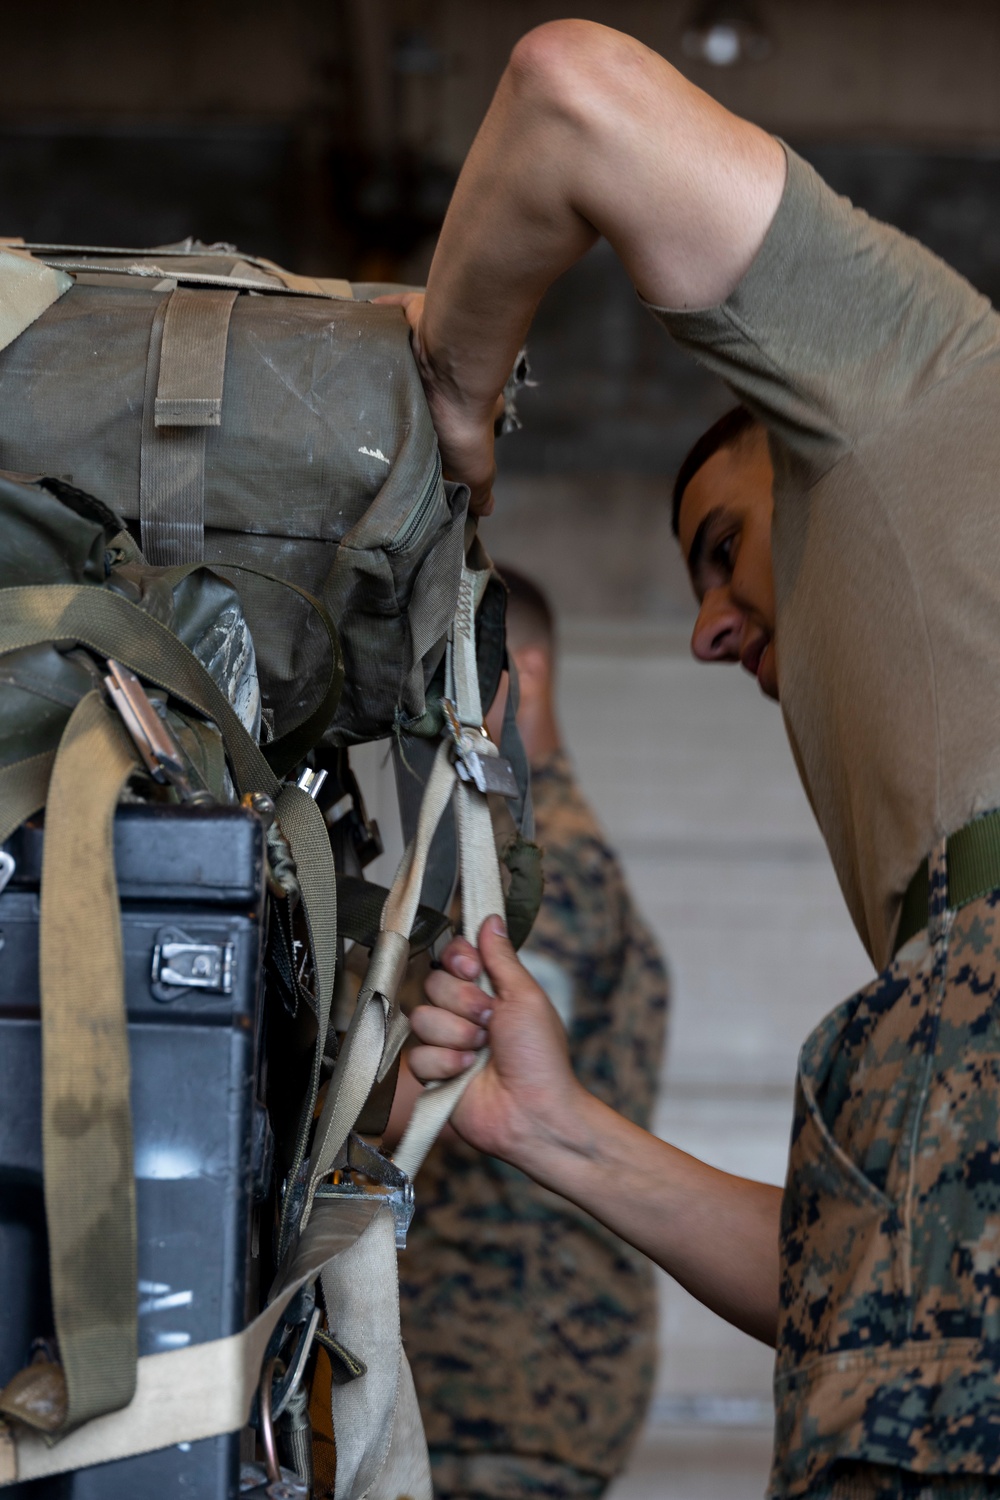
<point x="152" y="737"/>
<point x="477" y="759"/>
<point x="382" y="1179"/>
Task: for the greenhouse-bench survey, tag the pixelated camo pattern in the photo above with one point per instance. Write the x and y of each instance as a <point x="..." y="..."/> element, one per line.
<point x="889" y="1329"/>
<point x="531" y="1330"/>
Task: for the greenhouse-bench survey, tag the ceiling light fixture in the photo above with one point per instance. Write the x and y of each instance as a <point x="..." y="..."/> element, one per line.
<point x="723" y="33"/>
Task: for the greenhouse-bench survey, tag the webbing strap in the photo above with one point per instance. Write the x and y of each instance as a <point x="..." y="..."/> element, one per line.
<point x="113" y="626"/>
<point x="193" y="358"/>
<point x="482" y="890"/>
<point x="361" y="1294"/>
<point x="86" y="1115"/>
<point x="482" y="896"/>
<point x="27" y="288"/>
<point x="361" y="1057"/>
<point x="205" y="1389"/>
<point x="23" y="789"/>
<point x="185" y="370"/>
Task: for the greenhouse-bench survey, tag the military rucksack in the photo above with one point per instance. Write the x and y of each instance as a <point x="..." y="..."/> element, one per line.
<point x="221" y="376"/>
<point x="236" y="414"/>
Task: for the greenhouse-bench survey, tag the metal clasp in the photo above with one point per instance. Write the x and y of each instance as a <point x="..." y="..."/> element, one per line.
<point x="477" y="759"/>
<point x="154" y="740"/>
<point x="179" y="963"/>
<point x="380" y="1178"/>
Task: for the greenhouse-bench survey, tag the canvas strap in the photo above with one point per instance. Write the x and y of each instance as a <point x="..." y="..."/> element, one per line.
<point x="81" y="823"/>
<point x="381" y="1450"/>
<point x="89" y="1179"/>
<point x="27" y="288"/>
<point x="185" y="373"/>
<point x="24" y="786"/>
<point x="482" y="890"/>
<point x="198" y="1392"/>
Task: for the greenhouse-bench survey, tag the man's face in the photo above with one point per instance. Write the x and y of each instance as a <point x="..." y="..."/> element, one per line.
<point x="725" y="535"/>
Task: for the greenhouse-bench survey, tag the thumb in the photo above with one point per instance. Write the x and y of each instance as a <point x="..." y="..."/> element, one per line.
<point x="500" y="959"/>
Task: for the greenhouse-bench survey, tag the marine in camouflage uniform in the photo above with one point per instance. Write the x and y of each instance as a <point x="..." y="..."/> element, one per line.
<point x="531" y="1329"/>
<point x="865" y="582"/>
<point x="891" y="1226"/>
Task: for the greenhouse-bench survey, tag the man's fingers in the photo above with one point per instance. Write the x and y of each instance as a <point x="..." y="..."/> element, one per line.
<point x="441" y="1028"/>
<point x="460" y="998"/>
<point x="507" y="974"/>
<point x="434" y="1064"/>
<point x="461" y="959"/>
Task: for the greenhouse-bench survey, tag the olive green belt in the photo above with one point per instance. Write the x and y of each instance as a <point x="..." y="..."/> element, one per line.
<point x="973" y="870"/>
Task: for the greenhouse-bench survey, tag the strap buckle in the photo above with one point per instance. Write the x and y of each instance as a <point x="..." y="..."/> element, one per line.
<point x="364" y="1172"/>
<point x="477" y="759"/>
<point x="154" y="740"/>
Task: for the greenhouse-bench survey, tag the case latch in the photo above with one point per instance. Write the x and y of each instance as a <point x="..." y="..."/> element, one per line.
<point x="180" y="963"/>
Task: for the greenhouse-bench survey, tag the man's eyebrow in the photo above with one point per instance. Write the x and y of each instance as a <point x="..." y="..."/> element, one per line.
<point x="696" y="556"/>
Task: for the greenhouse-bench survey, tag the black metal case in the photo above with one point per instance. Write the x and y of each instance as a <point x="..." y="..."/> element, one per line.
<point x="191" y="883"/>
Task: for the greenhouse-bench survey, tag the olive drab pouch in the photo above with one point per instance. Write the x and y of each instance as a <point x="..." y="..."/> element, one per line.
<point x="237" y="414"/>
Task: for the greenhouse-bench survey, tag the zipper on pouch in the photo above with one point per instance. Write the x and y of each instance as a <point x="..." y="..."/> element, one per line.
<point x="415" y="523"/>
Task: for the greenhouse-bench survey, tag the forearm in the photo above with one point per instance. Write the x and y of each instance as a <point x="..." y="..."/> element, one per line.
<point x="509" y="233"/>
<point x="714" y="1233"/>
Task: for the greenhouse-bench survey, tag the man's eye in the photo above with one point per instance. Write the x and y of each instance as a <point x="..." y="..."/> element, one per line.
<point x="722" y="552"/>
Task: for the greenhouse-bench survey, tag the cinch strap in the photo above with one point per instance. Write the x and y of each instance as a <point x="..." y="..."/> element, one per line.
<point x="185" y="371"/>
<point x="27" y="288"/>
<point x="88" y="1174"/>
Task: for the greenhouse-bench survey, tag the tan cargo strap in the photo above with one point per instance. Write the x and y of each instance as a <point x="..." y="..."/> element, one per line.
<point x="89" y="1179"/>
<point x="113" y="626"/>
<point x="323" y="286"/>
<point x="185" y="370"/>
<point x="330" y="288"/>
<point x="482" y="889"/>
<point x="27" y="288"/>
<point x="203" y="1390"/>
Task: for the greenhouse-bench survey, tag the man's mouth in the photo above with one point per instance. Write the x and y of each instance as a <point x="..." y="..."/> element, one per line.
<point x="753" y="654"/>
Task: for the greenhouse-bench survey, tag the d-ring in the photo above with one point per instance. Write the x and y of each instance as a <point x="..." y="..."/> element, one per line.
<point x="267" y="1425"/>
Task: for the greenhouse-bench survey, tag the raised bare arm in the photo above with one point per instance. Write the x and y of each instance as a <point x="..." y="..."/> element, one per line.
<point x="589" y="133"/>
<point x="715" y="1234"/>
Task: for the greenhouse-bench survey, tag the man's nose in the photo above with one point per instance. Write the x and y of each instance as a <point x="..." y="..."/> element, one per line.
<point x="718" y="628"/>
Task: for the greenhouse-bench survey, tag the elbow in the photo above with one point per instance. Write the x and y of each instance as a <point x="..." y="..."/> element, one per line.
<point x="569" y="69"/>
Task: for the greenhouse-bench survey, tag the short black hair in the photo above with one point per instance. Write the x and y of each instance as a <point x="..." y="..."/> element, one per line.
<point x="530" y="620"/>
<point x="725" y="433"/>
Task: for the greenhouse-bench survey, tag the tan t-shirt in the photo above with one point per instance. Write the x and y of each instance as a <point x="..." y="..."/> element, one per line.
<point x="877" y="370"/>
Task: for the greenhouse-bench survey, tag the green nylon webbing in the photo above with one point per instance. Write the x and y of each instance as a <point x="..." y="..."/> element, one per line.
<point x="23" y="789"/>
<point x="115" y="627"/>
<point x="86" y="1114"/>
<point x="973" y="870"/>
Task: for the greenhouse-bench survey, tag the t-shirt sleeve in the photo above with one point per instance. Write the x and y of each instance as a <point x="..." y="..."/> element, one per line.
<point x="839" y="324"/>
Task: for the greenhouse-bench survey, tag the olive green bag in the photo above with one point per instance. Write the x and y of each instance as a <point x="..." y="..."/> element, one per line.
<point x="234" y="413"/>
